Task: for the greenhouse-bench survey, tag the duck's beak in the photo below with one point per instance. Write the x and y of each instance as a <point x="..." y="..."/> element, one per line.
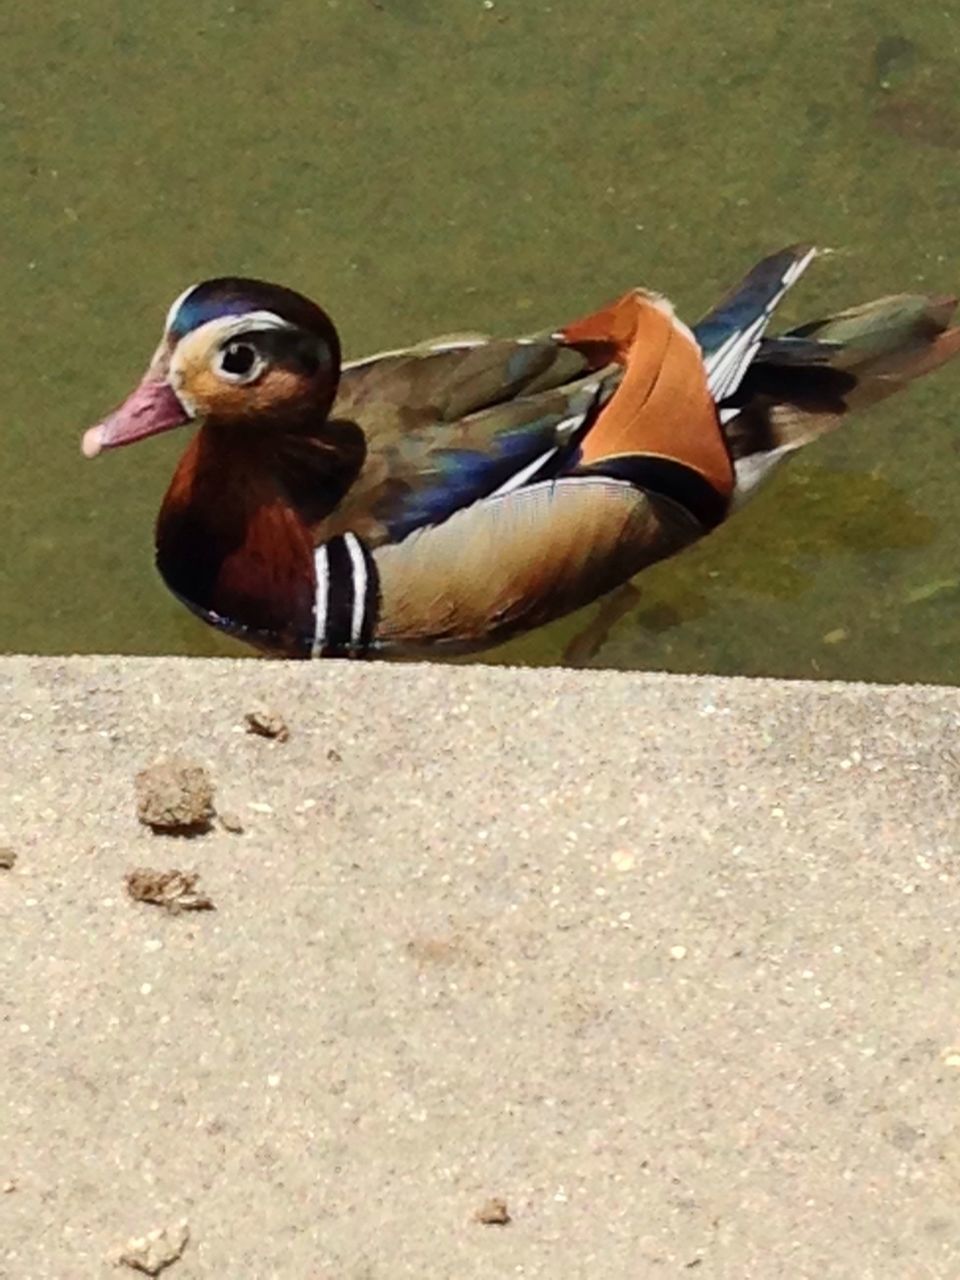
<point x="152" y="408"/>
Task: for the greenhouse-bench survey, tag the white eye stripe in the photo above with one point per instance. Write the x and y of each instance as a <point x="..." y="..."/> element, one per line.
<point x="252" y="322"/>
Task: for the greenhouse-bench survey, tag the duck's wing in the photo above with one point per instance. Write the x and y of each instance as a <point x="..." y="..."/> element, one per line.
<point x="450" y="423"/>
<point x="627" y="390"/>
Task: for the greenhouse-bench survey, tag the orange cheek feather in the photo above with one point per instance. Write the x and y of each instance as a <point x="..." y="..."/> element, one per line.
<point x="216" y="398"/>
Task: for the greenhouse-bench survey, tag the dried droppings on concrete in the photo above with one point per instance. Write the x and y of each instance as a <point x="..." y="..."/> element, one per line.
<point x="175" y="797"/>
<point x="8" y="859"/>
<point x="426" y="952"/>
<point x="175" y="891"/>
<point x="267" y="724"/>
<point x="153" y="1253"/>
<point x="493" y="1213"/>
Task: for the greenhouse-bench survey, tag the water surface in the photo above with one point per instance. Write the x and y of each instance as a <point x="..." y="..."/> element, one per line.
<point x="426" y="167"/>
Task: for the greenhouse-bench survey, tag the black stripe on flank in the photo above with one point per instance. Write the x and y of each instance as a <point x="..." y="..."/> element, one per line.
<point x="341" y="595"/>
<point x="340" y="589"/>
<point x="669" y="479"/>
<point x="371" y="603"/>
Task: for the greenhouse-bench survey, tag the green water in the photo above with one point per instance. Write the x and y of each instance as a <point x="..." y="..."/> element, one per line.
<point x="422" y="167"/>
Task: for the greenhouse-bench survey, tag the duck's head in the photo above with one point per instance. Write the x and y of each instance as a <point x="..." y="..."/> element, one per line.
<point x="235" y="352"/>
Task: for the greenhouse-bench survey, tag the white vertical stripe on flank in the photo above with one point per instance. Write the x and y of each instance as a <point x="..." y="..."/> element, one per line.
<point x="359" y="566"/>
<point x="321" y="563"/>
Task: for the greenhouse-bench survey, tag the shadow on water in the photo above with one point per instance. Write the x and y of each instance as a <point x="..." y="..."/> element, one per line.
<point x="424" y="168"/>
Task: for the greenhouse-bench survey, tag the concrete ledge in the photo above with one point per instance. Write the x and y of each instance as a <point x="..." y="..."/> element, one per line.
<point x="669" y="964"/>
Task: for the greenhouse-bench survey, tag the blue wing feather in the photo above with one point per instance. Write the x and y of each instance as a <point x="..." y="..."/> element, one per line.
<point x="731" y="334"/>
<point x="458" y="477"/>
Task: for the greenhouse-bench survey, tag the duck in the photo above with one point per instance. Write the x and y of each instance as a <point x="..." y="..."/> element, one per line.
<point x="443" y="498"/>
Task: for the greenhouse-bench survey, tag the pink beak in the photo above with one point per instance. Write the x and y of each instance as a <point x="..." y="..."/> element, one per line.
<point x="152" y="408"/>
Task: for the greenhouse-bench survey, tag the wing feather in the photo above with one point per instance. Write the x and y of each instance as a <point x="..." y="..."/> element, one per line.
<point x="448" y="425"/>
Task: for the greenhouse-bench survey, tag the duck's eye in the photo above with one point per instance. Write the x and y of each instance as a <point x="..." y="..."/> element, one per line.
<point x="239" y="361"/>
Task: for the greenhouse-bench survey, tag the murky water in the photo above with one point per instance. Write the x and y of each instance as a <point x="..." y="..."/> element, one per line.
<point x="422" y="166"/>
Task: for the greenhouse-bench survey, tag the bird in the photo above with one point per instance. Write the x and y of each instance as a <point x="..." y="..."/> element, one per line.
<point x="442" y="498"/>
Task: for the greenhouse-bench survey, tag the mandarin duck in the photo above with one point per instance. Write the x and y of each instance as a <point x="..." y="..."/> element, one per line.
<point x="445" y="497"/>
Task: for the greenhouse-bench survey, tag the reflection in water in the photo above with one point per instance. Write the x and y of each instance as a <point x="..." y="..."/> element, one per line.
<point x="586" y="644"/>
<point x="423" y="168"/>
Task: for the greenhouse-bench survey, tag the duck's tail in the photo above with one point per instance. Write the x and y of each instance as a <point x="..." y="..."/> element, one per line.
<point x="801" y="385"/>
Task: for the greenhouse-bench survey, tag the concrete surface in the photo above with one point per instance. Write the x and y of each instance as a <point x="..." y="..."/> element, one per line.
<point x="671" y="965"/>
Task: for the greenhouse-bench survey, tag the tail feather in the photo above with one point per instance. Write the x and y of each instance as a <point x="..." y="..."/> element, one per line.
<point x="886" y="327"/>
<point x="731" y="335"/>
<point x="801" y="385"/>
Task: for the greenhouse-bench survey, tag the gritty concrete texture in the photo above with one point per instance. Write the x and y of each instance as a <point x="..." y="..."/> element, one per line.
<point x="668" y="965"/>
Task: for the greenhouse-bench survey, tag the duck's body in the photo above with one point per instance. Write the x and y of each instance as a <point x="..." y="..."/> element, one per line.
<point x="449" y="496"/>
